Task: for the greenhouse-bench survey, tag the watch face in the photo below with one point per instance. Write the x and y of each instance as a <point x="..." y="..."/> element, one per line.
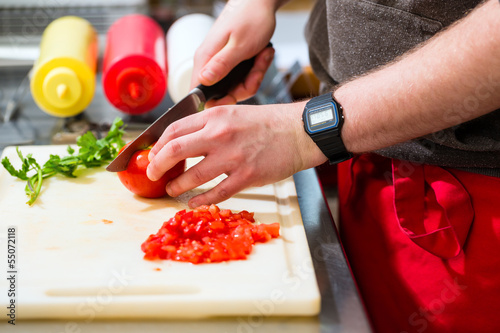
<point x="322" y="117"/>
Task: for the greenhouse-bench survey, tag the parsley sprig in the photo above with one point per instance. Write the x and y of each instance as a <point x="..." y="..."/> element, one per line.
<point x="92" y="153"/>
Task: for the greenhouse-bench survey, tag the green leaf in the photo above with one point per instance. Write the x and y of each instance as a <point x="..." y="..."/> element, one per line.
<point x="21" y="174"/>
<point x="91" y="153"/>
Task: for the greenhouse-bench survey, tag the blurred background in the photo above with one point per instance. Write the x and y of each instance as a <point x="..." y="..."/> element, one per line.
<point x="22" y="23"/>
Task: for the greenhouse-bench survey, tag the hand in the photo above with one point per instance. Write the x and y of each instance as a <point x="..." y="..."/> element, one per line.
<point x="252" y="145"/>
<point x="242" y="31"/>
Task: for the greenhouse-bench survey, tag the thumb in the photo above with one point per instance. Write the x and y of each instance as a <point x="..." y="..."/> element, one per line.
<point x="221" y="64"/>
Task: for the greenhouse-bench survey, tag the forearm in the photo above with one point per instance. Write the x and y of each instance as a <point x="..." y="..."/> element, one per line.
<point x="453" y="78"/>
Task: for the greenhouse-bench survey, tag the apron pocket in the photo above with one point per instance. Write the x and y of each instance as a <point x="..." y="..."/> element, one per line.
<point x="433" y="208"/>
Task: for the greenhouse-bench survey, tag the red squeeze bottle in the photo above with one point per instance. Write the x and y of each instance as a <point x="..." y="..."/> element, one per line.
<point x="135" y="66"/>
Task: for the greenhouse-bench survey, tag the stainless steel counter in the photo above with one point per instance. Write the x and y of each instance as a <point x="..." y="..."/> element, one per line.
<point x="342" y="310"/>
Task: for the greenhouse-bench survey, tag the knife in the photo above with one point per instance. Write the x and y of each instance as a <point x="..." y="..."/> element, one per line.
<point x="189" y="105"/>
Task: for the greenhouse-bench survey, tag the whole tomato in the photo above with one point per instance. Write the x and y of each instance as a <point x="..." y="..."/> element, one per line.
<point x="136" y="180"/>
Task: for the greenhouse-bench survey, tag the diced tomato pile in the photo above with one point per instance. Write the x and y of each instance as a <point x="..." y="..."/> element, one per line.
<point x="208" y="234"/>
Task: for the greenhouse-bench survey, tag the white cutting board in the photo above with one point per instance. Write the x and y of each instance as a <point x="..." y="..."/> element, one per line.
<point x="73" y="263"/>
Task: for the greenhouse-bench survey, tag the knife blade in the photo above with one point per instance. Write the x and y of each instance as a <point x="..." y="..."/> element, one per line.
<point x="189" y="105"/>
<point x="185" y="107"/>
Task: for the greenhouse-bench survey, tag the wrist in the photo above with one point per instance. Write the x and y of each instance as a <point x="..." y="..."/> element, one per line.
<point x="341" y="97"/>
<point x="308" y="152"/>
<point x="323" y="122"/>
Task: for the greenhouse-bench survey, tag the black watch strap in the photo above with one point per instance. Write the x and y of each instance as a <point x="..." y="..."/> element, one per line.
<point x="329" y="140"/>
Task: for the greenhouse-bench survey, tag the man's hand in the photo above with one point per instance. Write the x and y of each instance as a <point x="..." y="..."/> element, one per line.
<point x="252" y="145"/>
<point x="242" y="31"/>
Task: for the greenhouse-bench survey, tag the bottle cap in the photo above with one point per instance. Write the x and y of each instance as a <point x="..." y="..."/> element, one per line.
<point x="132" y="86"/>
<point x="62" y="87"/>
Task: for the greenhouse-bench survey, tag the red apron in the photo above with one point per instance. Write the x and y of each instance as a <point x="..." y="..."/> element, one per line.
<point x="423" y="243"/>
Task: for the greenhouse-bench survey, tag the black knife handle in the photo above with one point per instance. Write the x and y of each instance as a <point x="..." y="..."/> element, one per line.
<point x="236" y="76"/>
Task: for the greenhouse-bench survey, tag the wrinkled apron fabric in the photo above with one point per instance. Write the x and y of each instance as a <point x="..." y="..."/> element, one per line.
<point x="423" y="243"/>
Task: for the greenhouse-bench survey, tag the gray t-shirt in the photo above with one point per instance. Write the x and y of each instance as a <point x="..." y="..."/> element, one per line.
<point x="349" y="37"/>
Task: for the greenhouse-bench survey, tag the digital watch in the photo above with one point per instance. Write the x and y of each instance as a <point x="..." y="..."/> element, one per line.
<point x="323" y="120"/>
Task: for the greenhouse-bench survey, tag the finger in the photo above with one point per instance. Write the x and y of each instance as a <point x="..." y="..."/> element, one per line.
<point x="221" y="64"/>
<point x="254" y="79"/>
<point x="203" y="54"/>
<point x="223" y="191"/>
<point x="249" y="87"/>
<point x="265" y="58"/>
<point x="181" y="127"/>
<point x="199" y="174"/>
<point x="252" y="82"/>
<point x="173" y="152"/>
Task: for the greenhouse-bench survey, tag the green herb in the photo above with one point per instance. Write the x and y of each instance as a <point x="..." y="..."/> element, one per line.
<point x="91" y="153"/>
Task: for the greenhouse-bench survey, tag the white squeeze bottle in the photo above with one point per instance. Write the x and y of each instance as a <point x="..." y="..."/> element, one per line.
<point x="183" y="38"/>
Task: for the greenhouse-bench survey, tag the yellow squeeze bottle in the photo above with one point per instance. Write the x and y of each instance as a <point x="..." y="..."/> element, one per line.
<point x="63" y="77"/>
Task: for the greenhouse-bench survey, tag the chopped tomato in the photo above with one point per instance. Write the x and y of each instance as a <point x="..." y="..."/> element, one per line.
<point x="135" y="179"/>
<point x="208" y="234"/>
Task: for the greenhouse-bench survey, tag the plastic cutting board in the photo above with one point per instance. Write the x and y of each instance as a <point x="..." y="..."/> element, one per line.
<point x="78" y="253"/>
